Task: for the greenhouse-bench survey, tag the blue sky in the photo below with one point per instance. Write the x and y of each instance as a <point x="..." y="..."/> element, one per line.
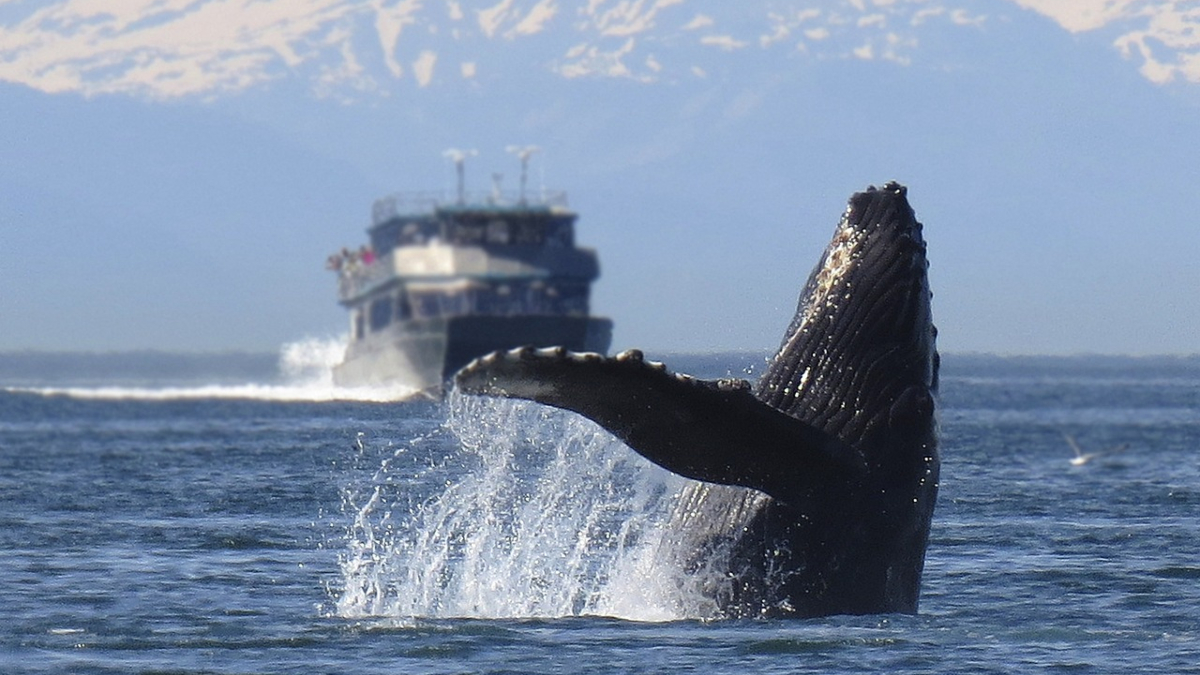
<point x="175" y="173"/>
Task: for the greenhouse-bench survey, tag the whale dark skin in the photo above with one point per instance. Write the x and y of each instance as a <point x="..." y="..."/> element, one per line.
<point x="839" y="432"/>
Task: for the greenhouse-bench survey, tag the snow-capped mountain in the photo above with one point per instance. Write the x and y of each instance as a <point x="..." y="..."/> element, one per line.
<point x="168" y="49"/>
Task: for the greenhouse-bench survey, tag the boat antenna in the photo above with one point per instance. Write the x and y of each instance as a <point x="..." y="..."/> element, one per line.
<point x="523" y="153"/>
<point x="459" y="157"/>
<point x="497" y="193"/>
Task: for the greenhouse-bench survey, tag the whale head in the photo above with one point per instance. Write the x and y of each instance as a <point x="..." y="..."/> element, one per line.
<point x="859" y="362"/>
<point x="862" y="340"/>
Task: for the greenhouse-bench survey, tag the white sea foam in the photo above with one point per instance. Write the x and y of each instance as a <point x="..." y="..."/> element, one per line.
<point x="538" y="514"/>
<point x="261" y="392"/>
<point x="305" y="366"/>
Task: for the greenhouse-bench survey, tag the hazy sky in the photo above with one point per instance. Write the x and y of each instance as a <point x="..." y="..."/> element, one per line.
<point x="175" y="171"/>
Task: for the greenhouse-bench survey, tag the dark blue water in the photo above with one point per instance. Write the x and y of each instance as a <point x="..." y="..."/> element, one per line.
<point x="159" y="530"/>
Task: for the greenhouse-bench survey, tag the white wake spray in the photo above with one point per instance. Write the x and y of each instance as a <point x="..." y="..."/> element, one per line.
<point x="538" y="514"/>
<point x="305" y="366"/>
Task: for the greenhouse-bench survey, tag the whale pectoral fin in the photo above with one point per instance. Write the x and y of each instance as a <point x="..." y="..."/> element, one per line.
<point x="714" y="431"/>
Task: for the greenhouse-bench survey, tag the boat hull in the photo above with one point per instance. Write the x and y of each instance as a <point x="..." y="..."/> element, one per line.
<point x="424" y="354"/>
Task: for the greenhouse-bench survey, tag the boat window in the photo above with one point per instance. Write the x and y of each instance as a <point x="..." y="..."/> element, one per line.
<point x="410" y="234"/>
<point x="497" y="232"/>
<point x="425" y="305"/>
<point x="453" y="304"/>
<point x="381" y="314"/>
<point x="403" y="310"/>
<point x="467" y="233"/>
<point x="560" y="232"/>
<point x="572" y="300"/>
<point x="528" y="232"/>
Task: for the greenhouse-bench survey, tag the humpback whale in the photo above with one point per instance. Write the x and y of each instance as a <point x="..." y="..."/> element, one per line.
<point x="837" y="440"/>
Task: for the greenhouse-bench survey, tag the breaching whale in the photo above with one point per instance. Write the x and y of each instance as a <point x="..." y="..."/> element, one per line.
<point x="837" y="439"/>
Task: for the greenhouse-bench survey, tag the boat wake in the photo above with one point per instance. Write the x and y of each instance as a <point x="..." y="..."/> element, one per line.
<point x="513" y="510"/>
<point x="304" y="373"/>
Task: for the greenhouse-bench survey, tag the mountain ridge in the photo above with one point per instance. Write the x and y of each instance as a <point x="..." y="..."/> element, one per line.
<point x="349" y="50"/>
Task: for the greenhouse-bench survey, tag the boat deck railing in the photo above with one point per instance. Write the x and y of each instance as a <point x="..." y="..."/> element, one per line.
<point x="357" y="277"/>
<point x="404" y="203"/>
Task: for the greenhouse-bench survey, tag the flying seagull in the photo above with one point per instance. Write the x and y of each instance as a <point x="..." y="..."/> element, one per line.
<point x="1082" y="457"/>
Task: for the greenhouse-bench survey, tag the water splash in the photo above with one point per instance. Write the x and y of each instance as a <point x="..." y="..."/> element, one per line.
<point x="531" y="512"/>
<point x="311" y="360"/>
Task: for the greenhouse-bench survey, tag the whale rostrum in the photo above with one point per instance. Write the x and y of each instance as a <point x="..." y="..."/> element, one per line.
<point x="837" y="439"/>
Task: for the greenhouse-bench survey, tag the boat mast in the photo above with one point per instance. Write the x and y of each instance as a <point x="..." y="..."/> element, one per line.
<point x="459" y="157"/>
<point x="523" y="153"/>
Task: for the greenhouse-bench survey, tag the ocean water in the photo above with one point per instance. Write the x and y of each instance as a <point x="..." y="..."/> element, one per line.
<point x="279" y="525"/>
